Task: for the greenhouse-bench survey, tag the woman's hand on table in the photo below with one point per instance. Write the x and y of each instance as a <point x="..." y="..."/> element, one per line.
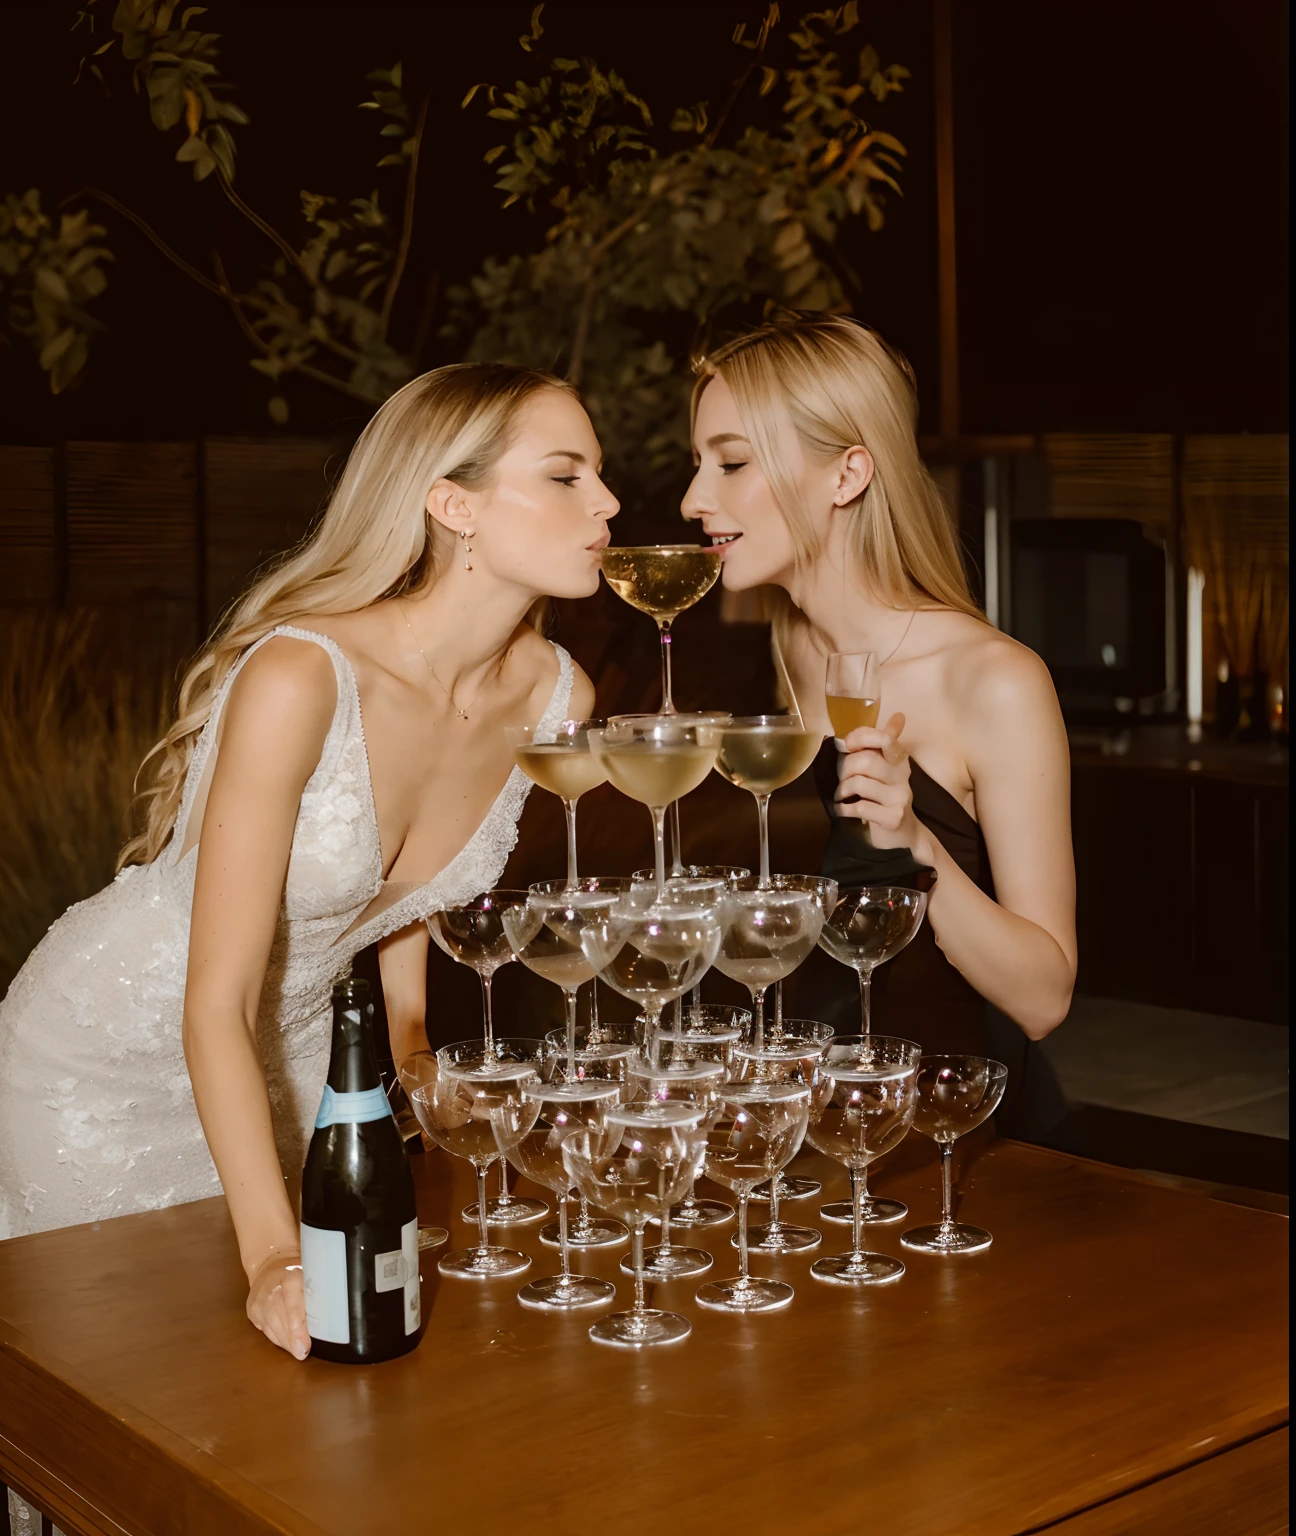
<point x="873" y="786"/>
<point x="276" y="1303"/>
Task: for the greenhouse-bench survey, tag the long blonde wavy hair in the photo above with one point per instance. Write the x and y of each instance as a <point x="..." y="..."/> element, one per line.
<point x="834" y="384"/>
<point x="374" y="541"/>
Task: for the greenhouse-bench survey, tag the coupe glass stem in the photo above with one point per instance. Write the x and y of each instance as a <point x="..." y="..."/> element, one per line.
<point x="483" y="1237"/>
<point x="947" y="1187"/>
<point x="659" y="838"/>
<point x="857" y="1216"/>
<point x="668" y="703"/>
<point x="758" y="1022"/>
<point x="677" y="840"/>
<point x="762" y="807"/>
<point x="689" y="1202"/>
<point x="594" y="1036"/>
<point x="570" y="999"/>
<point x="564" y="1264"/>
<point x="504" y="1197"/>
<point x="583" y="1222"/>
<point x="866" y="1000"/>
<point x="744" y="1279"/>
<point x="665" y="1228"/>
<point x="569" y="806"/>
<point x="488" y="1024"/>
<point x="777" y="1032"/>
<point x="637" y="1259"/>
<point x="773" y="1223"/>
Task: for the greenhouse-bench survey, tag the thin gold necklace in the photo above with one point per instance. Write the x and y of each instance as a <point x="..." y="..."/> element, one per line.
<point x="888" y="655"/>
<point x="462" y="713"/>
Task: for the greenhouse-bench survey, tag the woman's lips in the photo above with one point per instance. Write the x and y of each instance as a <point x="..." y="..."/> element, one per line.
<point x="721" y="542"/>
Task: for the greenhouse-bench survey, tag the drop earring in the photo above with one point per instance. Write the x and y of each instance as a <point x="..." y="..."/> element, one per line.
<point x="465" y="535"/>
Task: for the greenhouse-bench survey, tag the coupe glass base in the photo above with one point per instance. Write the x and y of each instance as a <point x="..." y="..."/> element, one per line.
<point x="790" y="1189"/>
<point x="785" y="1238"/>
<point x="752" y="1295"/>
<point x="554" y="1294"/>
<point x="638" y="1330"/>
<point x="516" y="1211"/>
<point x="876" y="1213"/>
<point x="858" y="1269"/>
<point x="955" y="1239"/>
<point x="673" y="1263"/>
<point x="603" y="1232"/>
<point x="704" y="1213"/>
<point x="484" y="1263"/>
<point x="431" y="1237"/>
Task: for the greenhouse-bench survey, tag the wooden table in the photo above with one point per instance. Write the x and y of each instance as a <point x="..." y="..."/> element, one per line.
<point x="1115" y="1363"/>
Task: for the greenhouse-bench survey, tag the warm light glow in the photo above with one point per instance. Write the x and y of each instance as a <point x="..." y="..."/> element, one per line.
<point x="1196" y="585"/>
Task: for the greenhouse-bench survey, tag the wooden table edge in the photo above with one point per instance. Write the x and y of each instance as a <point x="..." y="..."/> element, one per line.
<point x="107" y="1432"/>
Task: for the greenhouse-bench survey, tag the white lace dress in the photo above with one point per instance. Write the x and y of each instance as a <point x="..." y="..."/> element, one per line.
<point x="97" y="1115"/>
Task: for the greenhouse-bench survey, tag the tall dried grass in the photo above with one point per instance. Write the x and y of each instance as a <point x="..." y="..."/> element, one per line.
<point x="72" y="733"/>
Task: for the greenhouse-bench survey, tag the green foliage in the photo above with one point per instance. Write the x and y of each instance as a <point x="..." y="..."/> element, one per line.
<point x="47" y="277"/>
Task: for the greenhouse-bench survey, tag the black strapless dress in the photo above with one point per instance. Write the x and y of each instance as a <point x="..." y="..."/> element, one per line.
<point x="919" y="995"/>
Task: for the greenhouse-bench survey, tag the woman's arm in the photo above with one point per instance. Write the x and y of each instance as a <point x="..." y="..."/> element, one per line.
<point x="402" y="963"/>
<point x="275" y="722"/>
<point x="1018" y="951"/>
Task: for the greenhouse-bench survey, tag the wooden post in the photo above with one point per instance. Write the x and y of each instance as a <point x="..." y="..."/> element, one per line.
<point x="947" y="283"/>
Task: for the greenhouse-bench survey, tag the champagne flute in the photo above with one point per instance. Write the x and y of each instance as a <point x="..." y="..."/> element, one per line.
<point x="454" y="1108"/>
<point x="854" y="699"/>
<point x="561" y="762"/>
<point x="869" y="1111"/>
<point x="759" y="1131"/>
<point x="955" y="1094"/>
<point x="545" y="934"/>
<point x="696" y="1083"/>
<point x="870" y="925"/>
<point x="534" y="1147"/>
<point x="663" y="580"/>
<point x="652" y="952"/>
<point x="794" y="1058"/>
<point x="655" y="760"/>
<point x="766" y="935"/>
<point x="762" y="753"/>
<point x="473" y="934"/>
<point x="637" y="1166"/>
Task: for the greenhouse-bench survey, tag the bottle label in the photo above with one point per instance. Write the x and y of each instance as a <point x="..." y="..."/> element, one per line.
<point x="399" y="1270"/>
<point x="324" y="1276"/>
<point x="351" y="1108"/>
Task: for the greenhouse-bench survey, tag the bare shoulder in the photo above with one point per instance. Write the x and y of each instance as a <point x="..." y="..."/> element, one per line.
<point x="989" y="672"/>
<point x="286" y="692"/>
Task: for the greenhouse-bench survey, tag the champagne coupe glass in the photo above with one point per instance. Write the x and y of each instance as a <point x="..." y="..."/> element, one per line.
<point x="473" y="934"/>
<point x="711" y="717"/>
<point x="636" y="1167"/>
<point x="653" y="951"/>
<point x="419" y="1070"/>
<point x="955" y="1094"/>
<point x="854" y="699"/>
<point x="655" y="760"/>
<point x="534" y="1147"/>
<point x="759" y="1131"/>
<point x="869" y="1111"/>
<point x="792" y="1059"/>
<point x="617" y="883"/>
<point x="762" y="753"/>
<point x="545" y="935"/>
<point x="602" y="1056"/>
<point x="454" y="1108"/>
<point x="870" y="925"/>
<point x="766" y="935"/>
<point x="729" y="873"/>
<point x="663" y="580"/>
<point x="824" y="891"/>
<point x="561" y="762"/>
<point x="698" y="1084"/>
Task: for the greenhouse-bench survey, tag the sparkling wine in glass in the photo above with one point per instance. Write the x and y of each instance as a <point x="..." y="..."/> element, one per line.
<point x="534" y="1147"/>
<point x="663" y="580"/>
<point x="955" y="1094"/>
<point x="759" y="1131"/>
<point x="869" y="1111"/>
<point x="854" y="698"/>
<point x="870" y="925"/>
<point x="455" y="1108"/>
<point x="635" y="1168"/>
<point x="562" y="762"/>
<point x="473" y="934"/>
<point x="656" y="760"/>
<point x="762" y="753"/>
<point x="766" y="935"/>
<point x="710" y="717"/>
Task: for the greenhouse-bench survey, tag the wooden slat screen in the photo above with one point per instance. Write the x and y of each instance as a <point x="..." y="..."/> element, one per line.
<point x="28" y="573"/>
<point x="132" y="523"/>
<point x="1111" y="474"/>
<point x="262" y="496"/>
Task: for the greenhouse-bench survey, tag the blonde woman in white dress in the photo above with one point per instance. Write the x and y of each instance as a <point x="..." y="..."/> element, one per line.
<point x="338" y="769"/>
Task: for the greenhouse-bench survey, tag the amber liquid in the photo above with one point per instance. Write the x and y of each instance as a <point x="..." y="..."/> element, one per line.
<point x="564" y="771"/>
<point x="849" y="715"/>
<point x="765" y="759"/>
<point x="662" y="580"/>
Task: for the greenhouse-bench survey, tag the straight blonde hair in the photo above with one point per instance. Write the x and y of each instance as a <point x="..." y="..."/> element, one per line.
<point x="835" y="384"/>
<point x="374" y="541"/>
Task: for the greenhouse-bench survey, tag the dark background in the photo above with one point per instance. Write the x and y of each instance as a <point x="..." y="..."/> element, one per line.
<point x="1121" y="195"/>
